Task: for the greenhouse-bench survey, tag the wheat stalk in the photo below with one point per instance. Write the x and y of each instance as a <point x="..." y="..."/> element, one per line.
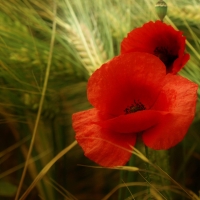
<point x="189" y="13"/>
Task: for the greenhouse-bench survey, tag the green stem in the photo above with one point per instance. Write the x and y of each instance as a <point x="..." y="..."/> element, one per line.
<point x="122" y="172"/>
<point x="127" y="176"/>
<point x="148" y="169"/>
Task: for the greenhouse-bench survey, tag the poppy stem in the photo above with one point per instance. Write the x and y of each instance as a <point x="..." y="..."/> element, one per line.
<point x="147" y="173"/>
<point x="127" y="176"/>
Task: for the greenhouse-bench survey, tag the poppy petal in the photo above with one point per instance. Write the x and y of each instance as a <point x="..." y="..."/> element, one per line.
<point x="177" y="102"/>
<point x="178" y="95"/>
<point x="126" y="78"/>
<point x="179" y="63"/>
<point x="169" y="132"/>
<point x="132" y="123"/>
<point x="158" y="35"/>
<point x="103" y="146"/>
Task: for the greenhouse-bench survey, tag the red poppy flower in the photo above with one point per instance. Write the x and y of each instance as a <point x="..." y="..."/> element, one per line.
<point x="161" y="40"/>
<point x="130" y="98"/>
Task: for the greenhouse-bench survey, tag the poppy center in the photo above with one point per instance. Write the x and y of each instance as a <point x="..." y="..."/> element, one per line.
<point x="165" y="56"/>
<point x="136" y="106"/>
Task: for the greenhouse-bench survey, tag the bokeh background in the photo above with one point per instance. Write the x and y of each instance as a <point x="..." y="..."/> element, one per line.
<point x="48" y="50"/>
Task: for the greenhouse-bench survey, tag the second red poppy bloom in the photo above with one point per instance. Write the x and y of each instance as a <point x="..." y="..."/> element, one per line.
<point x="131" y="95"/>
<point x="161" y="40"/>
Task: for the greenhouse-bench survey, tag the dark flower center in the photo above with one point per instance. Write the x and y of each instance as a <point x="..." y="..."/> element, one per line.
<point x="165" y="56"/>
<point x="136" y="106"/>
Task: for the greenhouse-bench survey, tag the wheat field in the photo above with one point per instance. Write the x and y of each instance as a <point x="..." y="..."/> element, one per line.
<point x="49" y="49"/>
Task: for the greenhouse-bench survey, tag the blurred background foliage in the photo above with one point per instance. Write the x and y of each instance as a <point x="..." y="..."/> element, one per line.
<point x="88" y="33"/>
